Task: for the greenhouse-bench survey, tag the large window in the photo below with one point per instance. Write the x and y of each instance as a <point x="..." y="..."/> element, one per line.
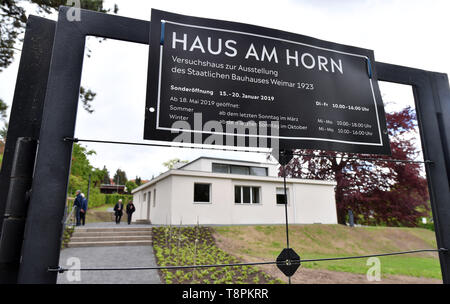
<point x="259" y="171"/>
<point x="240" y="170"/>
<point x="246" y="195"/>
<point x="235" y="169"/>
<point x="202" y="193"/>
<point x="280" y="196"/>
<point x="220" y="168"/>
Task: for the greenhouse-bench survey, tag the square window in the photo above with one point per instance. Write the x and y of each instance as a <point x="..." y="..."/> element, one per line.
<point x="246" y="195"/>
<point x="280" y="196"/>
<point x="202" y="193"/>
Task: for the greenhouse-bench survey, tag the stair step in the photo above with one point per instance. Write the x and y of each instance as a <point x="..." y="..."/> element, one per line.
<point x="117" y="233"/>
<point x="109" y="238"/>
<point x="109" y="243"/>
<point x="122" y="229"/>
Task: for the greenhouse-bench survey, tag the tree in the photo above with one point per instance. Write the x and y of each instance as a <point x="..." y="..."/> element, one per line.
<point x="80" y="171"/>
<point x="387" y="193"/>
<point x="106" y="179"/>
<point x="13" y="18"/>
<point x="120" y="178"/>
<point x="138" y="181"/>
<point x="170" y="164"/>
<point x="130" y="185"/>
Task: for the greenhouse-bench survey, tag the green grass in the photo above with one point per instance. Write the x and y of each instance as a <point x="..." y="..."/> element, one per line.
<point x="392" y="265"/>
<point x="326" y="241"/>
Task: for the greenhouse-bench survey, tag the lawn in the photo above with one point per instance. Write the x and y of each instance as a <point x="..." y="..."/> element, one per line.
<point x="326" y="241"/>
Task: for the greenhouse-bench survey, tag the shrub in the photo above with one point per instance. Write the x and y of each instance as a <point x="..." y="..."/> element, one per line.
<point x="112" y="199"/>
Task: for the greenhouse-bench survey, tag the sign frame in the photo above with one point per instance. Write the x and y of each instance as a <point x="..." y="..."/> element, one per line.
<point x="154" y="131"/>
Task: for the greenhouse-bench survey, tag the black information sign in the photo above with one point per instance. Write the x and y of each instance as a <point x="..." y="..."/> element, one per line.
<point x="215" y="80"/>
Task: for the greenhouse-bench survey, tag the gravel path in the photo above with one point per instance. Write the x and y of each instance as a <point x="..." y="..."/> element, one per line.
<point x="97" y="257"/>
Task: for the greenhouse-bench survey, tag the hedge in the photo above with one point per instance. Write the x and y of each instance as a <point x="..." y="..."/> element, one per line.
<point x="112" y="199"/>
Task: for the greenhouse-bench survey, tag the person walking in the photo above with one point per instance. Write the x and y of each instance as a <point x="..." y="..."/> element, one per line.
<point x="83" y="210"/>
<point x="130" y="210"/>
<point x="118" y="211"/>
<point x="78" y="204"/>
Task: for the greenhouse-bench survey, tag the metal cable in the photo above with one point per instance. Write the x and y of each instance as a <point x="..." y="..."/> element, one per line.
<point x="239" y="149"/>
<point x="62" y="270"/>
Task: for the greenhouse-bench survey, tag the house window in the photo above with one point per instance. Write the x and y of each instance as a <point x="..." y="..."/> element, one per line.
<point x="259" y="171"/>
<point x="220" y="168"/>
<point x="202" y="193"/>
<point x="246" y="195"/>
<point x="240" y="170"/>
<point x="235" y="169"/>
<point x="154" y="198"/>
<point x="280" y="196"/>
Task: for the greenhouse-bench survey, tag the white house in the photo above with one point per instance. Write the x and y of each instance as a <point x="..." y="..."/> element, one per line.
<point x="221" y="191"/>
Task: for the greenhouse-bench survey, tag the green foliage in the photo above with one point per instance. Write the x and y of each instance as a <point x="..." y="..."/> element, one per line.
<point x="106" y="179"/>
<point x="429" y="226"/>
<point x="120" y="177"/>
<point x="67" y="234"/>
<point x="13" y="18"/>
<point x="170" y="164"/>
<point x="130" y="185"/>
<point x="86" y="97"/>
<point x="138" y="181"/>
<point x="3" y="108"/>
<point x="112" y="199"/>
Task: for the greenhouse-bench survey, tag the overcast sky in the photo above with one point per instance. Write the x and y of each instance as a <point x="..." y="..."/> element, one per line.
<point x="408" y="32"/>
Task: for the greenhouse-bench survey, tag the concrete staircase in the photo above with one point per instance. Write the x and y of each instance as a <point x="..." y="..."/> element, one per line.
<point x="97" y="237"/>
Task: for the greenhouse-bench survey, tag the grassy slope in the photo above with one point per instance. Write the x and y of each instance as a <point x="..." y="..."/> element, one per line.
<point x="99" y="214"/>
<point x="322" y="241"/>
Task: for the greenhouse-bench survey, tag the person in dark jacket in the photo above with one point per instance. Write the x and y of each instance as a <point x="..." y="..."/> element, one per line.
<point x="83" y="210"/>
<point x="78" y="204"/>
<point x="130" y="210"/>
<point x="118" y="211"/>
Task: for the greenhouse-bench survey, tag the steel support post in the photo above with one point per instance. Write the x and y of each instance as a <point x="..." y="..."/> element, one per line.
<point x="29" y="94"/>
<point x="16" y="209"/>
<point x="44" y="225"/>
<point x="26" y="110"/>
<point x="432" y="100"/>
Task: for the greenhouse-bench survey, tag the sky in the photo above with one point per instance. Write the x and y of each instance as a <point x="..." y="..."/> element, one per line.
<point x="404" y="32"/>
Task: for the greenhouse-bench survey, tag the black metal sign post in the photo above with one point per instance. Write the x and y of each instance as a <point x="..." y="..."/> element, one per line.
<point x="432" y="98"/>
<point x="25" y="121"/>
<point x="44" y="226"/>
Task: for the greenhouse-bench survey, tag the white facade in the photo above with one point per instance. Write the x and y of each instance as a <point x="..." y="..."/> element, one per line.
<point x="169" y="198"/>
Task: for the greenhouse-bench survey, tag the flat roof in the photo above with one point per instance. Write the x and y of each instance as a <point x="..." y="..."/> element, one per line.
<point x="195" y="173"/>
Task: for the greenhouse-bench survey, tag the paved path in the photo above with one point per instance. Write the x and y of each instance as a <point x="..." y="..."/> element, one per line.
<point x="119" y="256"/>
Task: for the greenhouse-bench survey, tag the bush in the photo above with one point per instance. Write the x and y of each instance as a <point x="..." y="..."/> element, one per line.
<point x="112" y="199"/>
<point x="429" y="226"/>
